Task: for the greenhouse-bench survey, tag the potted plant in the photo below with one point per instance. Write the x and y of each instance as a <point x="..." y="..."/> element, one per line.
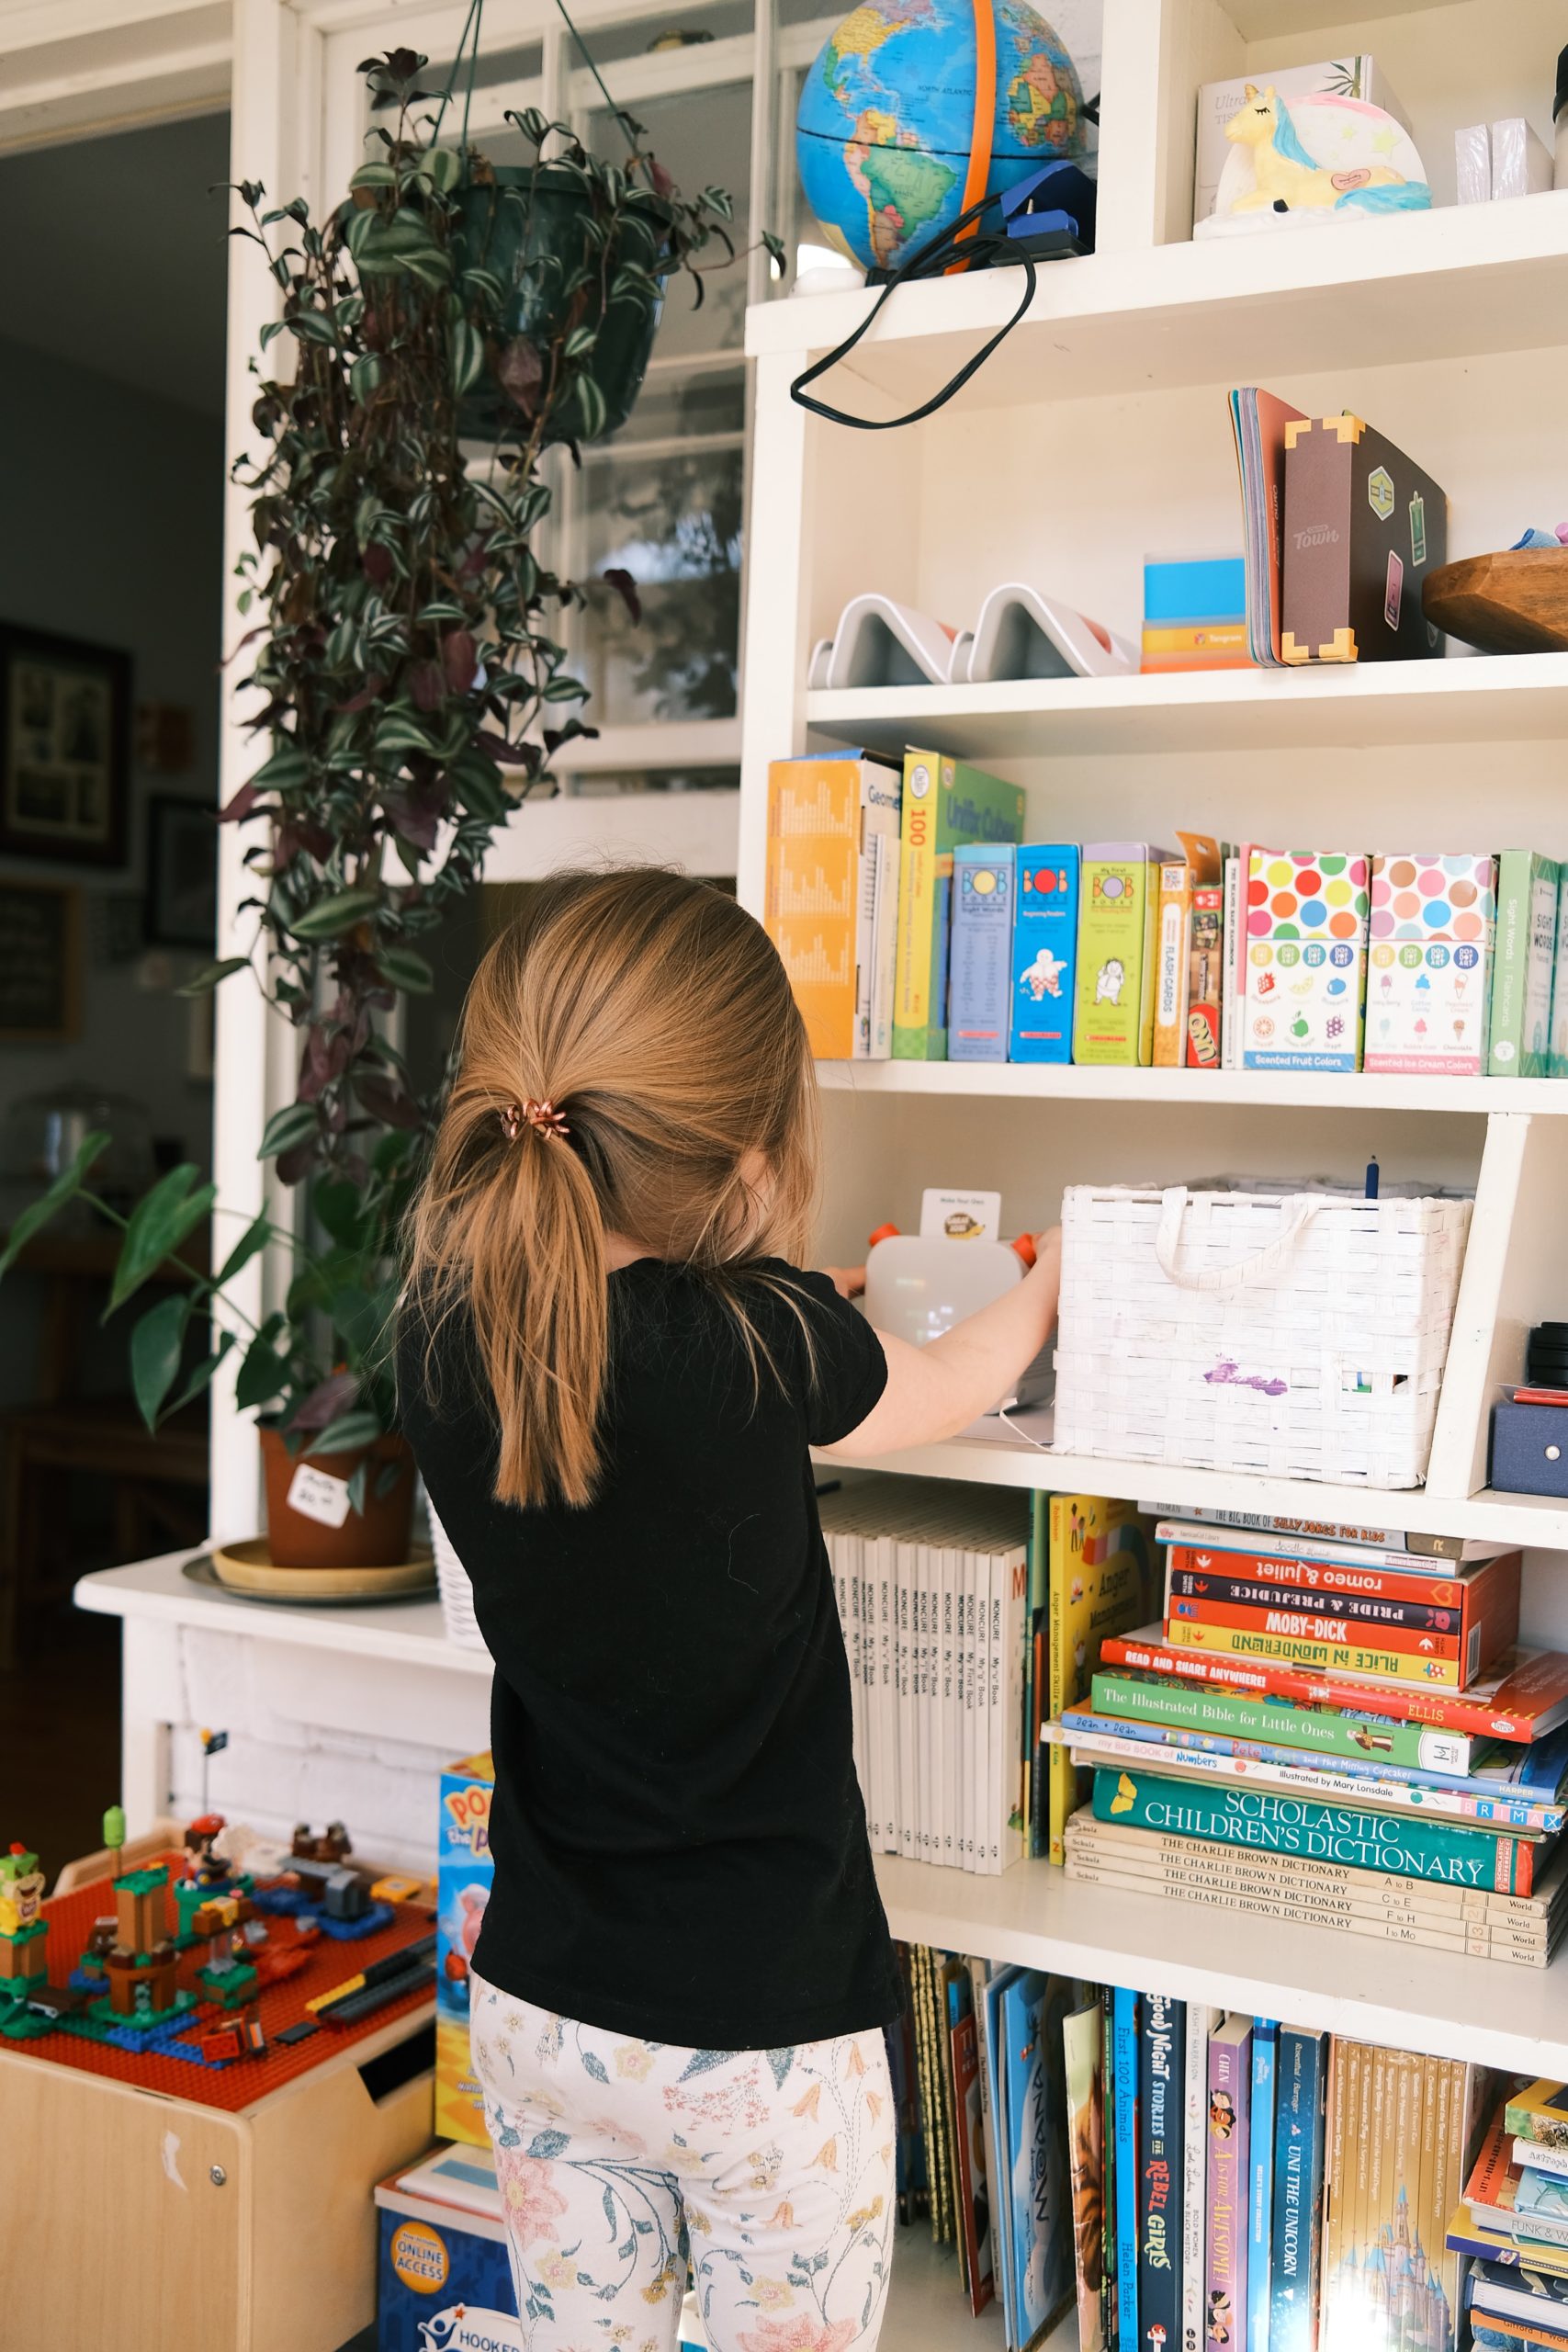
<point x="411" y="692"/>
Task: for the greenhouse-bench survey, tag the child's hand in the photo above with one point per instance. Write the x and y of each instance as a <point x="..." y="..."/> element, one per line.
<point x="848" y="1281"/>
<point x="1048" y="1245"/>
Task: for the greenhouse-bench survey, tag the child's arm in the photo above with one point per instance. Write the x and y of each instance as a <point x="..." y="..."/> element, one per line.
<point x="934" y="1392"/>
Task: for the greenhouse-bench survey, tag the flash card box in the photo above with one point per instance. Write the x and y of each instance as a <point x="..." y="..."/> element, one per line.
<point x="1430" y="963"/>
<point x="1524" y="955"/>
<point x="979" y="985"/>
<point x="1306" y="961"/>
<point x="444" y="2277"/>
<point x="1044" y="953"/>
<point x="464" y="1873"/>
<point x="1113" y="1007"/>
<point x="1365" y="529"/>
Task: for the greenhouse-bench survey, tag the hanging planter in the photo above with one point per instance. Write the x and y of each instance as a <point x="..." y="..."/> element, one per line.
<point x="579" y="278"/>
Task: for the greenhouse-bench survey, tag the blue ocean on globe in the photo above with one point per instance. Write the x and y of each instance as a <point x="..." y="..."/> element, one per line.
<point x="887" y="112"/>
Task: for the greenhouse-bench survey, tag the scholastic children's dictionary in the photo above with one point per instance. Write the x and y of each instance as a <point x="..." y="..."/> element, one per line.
<point x="945" y="805"/>
<point x="1044" y="960"/>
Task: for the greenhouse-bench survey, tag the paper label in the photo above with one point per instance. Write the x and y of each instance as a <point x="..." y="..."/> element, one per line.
<point x="316" y="1493"/>
<point x="959" y="1216"/>
<point x="1393" y="593"/>
<point x="1379" y="493"/>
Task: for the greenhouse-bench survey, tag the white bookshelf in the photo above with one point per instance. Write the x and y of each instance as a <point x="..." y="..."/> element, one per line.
<point x="1097" y="434"/>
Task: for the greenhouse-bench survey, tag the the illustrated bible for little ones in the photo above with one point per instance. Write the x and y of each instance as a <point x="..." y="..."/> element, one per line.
<point x="830" y="900"/>
<point x="946" y="805"/>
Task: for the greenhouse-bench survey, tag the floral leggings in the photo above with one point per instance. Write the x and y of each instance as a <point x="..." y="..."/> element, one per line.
<point x="773" y="2168"/>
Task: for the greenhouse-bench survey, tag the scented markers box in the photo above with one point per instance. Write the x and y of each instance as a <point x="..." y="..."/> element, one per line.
<point x="1430" y="964"/>
<point x="1306" y="961"/>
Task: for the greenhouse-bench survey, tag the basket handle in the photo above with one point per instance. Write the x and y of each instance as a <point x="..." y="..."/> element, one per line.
<point x="1270" y="1260"/>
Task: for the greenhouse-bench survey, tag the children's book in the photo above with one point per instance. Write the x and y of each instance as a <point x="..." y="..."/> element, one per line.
<point x="1260" y="2187"/>
<point x="1034" y="2009"/>
<point x="1198" y="866"/>
<point x="1258" y="420"/>
<point x="944" y="805"/>
<point x="1285" y="1634"/>
<point x="1044" y="957"/>
<point x="973" y="2169"/>
<point x="1365" y="529"/>
<point x="1004" y="2262"/>
<point x="1299" y="2108"/>
<point x="1201" y="2021"/>
<point x="1306" y="959"/>
<point x="1101" y="1567"/>
<point x="826" y="887"/>
<point x="1501" y="2196"/>
<point x="1114" y="1012"/>
<point x="1557" y="1042"/>
<point x="1429" y="977"/>
<point x="1230" y="2181"/>
<point x="979" y="1002"/>
<point x="1205" y="977"/>
<point x="1349" y="1733"/>
<point x="1540" y="2113"/>
<point x="1126" y="2137"/>
<point x="1161" y="2134"/>
<point x="1499" y="2288"/>
<point x="1524" y="960"/>
<point x="1083" y="2044"/>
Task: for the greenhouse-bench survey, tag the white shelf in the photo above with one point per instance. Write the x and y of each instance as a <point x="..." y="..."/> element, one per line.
<point x="1007" y="1461"/>
<point x="693" y="829"/>
<point x="1258" y="1090"/>
<point x="1489" y="698"/>
<point x="1438" y="2003"/>
<point x="1457" y="281"/>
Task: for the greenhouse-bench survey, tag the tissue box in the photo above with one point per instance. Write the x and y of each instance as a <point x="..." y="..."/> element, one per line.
<point x="464" y="1873"/>
<point x="1529" y="1449"/>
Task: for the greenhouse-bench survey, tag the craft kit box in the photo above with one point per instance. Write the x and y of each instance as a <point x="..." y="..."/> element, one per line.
<point x="464" y="1873"/>
<point x="1044" y="953"/>
<point x="1113" y="1010"/>
<point x="1524" y="955"/>
<point x="1306" y="961"/>
<point x="1365" y="529"/>
<point x="1430" y="963"/>
<point x="980" y="985"/>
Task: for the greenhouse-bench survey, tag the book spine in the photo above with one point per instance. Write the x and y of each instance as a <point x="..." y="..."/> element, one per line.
<point x="1125" y="2029"/>
<point x="1172" y="913"/>
<point x="1297" y="2189"/>
<point x="980" y="991"/>
<point x="1535" y="2115"/>
<point x="1230" y="2174"/>
<point x="1286" y="1618"/>
<point x="1257" y="1819"/>
<point x="1540" y="2159"/>
<point x="1204" y="1034"/>
<point x="1325" y="1559"/>
<point x="1260" y="2187"/>
<point x="1201" y="2022"/>
<point x="884" y="943"/>
<point x="972" y="2183"/>
<point x="1447" y="1711"/>
<point x="1382" y="1663"/>
<point x="914" y="980"/>
<point x="1341" y="2058"/>
<point x="1012" y="1572"/>
<point x="1082" y="2050"/>
<point x="1109" y="2209"/>
<point x="1161" y="2075"/>
<point x="1420" y="1614"/>
<point x="1321" y="1734"/>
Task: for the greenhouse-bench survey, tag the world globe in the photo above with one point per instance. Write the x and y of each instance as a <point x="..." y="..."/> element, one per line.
<point x="887" y="114"/>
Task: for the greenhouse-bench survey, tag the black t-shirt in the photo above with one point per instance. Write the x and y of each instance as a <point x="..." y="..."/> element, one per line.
<point x="678" y="1834"/>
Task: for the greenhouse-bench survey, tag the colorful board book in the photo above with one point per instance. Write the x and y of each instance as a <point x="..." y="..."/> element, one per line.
<point x="1524" y="960"/>
<point x="1044" y="952"/>
<point x="979" y="1004"/>
<point x="1306" y="949"/>
<point x="1364" y="530"/>
<point x="1114" y="1012"/>
<point x="1430" y="963"/>
<point x="1100" y="1566"/>
<point x="945" y="805"/>
<point x="827" y="884"/>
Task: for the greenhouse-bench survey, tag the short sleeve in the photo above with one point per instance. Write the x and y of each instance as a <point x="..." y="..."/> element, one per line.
<point x="848" y="1371"/>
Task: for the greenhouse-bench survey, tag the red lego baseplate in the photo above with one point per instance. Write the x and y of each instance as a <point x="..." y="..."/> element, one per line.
<point x="327" y="1961"/>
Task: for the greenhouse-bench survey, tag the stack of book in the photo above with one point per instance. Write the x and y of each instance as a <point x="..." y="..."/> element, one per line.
<point x="1329" y="1733"/>
<point x="1185" y="2177"/>
<point x="1513" y="2223"/>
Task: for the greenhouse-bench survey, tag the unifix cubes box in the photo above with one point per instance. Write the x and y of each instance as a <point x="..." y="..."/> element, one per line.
<point x="1524" y="955"/>
<point x="981" y="987"/>
<point x="1364" y="530"/>
<point x="444" y="2278"/>
<point x="829" y="902"/>
<point x="1113" y="1009"/>
<point x="1044" y="952"/>
<point x="1306" y="961"/>
<point x="1429" y="964"/>
<point x="464" y="1872"/>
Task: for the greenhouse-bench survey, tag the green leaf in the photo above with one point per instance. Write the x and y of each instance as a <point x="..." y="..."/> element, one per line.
<point x="201" y="1373"/>
<point x="296" y="1123"/>
<point x="263" y="1373"/>
<point x="445" y="167"/>
<point x="347" y="1434"/>
<point x="401" y="732"/>
<point x="65" y="1187"/>
<point x="159" y="1223"/>
<point x="255" y="1237"/>
<point x="156" y="1343"/>
<point x="406" y="970"/>
<point x="365" y="375"/>
<point x="357" y="1487"/>
<point x="374" y="176"/>
<point x="310" y="327"/>
<point x="331" y="917"/>
<point x="478" y="784"/>
<point x="288" y="767"/>
<point x="579" y="340"/>
<point x="360" y="1317"/>
<point x="591" y="407"/>
<point x="210" y="973"/>
<point x="564" y="690"/>
<point x="467" y="355"/>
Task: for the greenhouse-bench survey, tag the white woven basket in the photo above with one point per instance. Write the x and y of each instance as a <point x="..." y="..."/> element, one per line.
<point x="456" y="1593"/>
<point x="1301" y="1335"/>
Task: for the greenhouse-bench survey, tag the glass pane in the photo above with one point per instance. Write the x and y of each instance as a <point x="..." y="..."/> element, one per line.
<point x="692" y="28"/>
<point x="702" y="138"/>
<point x="615" y="785"/>
<point x="674" y="523"/>
<point x="708" y="401"/>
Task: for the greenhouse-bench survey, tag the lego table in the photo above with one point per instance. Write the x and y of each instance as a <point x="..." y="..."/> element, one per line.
<point x="161" y="2206"/>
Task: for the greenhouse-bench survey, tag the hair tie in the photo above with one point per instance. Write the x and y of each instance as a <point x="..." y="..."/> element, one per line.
<point x="516" y="1116"/>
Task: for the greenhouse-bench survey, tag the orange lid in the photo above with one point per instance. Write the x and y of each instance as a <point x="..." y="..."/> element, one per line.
<point x="883" y="1233"/>
<point x="1024" y="1246"/>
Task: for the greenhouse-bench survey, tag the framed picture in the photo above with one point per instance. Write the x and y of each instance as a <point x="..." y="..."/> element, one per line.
<point x="65" y="748"/>
<point x="40" y="967"/>
<point x="182" y="873"/>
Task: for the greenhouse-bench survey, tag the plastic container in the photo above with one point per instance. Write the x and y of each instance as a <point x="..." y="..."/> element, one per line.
<point x="919" y="1288"/>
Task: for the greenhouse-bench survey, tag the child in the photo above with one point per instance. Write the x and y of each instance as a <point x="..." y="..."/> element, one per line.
<point x="611" y="1372"/>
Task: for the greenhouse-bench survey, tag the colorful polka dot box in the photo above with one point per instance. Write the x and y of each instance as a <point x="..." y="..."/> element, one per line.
<point x="1306" y="959"/>
<point x="1429" y="977"/>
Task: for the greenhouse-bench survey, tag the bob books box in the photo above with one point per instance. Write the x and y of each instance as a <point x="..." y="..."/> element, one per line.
<point x="464" y="1872"/>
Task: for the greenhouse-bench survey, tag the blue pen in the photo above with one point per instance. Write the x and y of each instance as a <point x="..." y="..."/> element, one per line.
<point x="1372" y="1178"/>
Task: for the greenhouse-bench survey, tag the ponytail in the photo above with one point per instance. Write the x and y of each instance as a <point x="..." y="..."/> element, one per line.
<point x="632" y="1063"/>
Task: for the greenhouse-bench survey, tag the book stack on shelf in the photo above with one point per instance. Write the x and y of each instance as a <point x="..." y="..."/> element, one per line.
<point x="1513" y="2225"/>
<point x="1331" y="1733"/>
<point x="1183" y="2175"/>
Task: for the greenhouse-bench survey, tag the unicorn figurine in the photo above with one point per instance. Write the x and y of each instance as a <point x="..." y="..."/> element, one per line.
<point x="1288" y="179"/>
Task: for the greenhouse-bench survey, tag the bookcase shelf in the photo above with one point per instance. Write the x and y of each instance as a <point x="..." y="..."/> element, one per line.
<point x="1438" y="2003"/>
<point x="1191" y="1088"/>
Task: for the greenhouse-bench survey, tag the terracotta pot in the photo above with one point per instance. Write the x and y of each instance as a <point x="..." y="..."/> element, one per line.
<point x="375" y="1537"/>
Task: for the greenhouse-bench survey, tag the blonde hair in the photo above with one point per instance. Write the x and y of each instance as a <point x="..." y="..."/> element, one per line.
<point x="653" y="1013"/>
